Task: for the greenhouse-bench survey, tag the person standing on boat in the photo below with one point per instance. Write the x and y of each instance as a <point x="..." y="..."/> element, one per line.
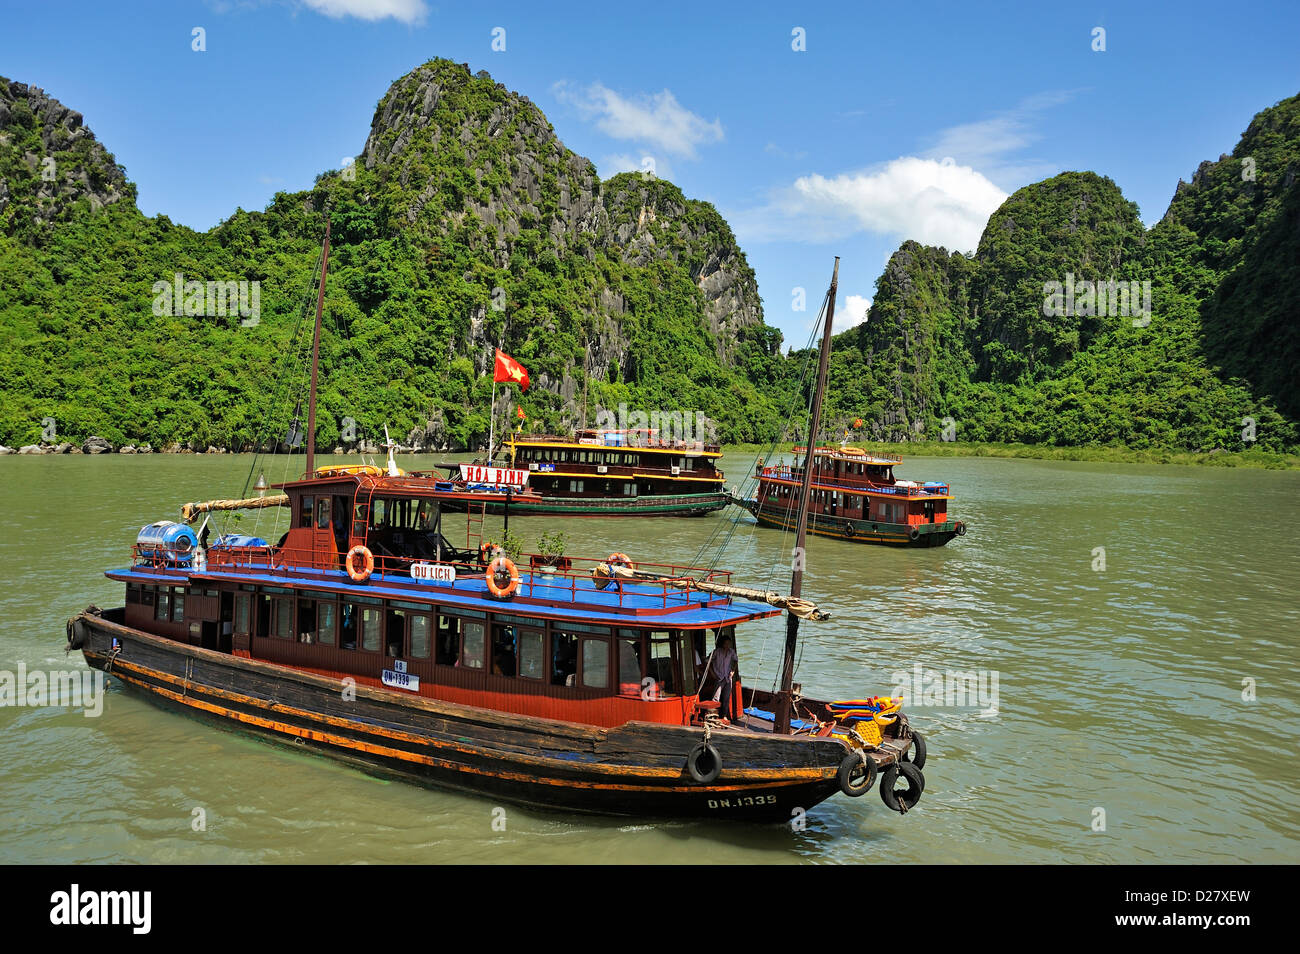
<point x="723" y="669"/>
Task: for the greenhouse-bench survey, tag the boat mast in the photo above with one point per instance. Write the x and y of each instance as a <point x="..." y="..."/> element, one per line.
<point x="315" y="354"/>
<point x="785" y="698"/>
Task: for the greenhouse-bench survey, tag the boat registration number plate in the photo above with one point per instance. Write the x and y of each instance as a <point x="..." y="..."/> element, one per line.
<point x="433" y="571"/>
<point x="401" y="680"/>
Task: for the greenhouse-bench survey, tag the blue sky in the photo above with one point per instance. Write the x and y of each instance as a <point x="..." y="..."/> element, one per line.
<point x="896" y="121"/>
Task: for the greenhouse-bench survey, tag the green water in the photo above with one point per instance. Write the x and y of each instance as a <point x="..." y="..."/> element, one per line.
<point x="1119" y="690"/>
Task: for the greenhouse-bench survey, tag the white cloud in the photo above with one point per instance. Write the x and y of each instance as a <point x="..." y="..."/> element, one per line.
<point x="655" y="119"/>
<point x="942" y="197"/>
<point x="410" y="12"/>
<point x="934" y="202"/>
<point x="986" y="144"/>
<point x="853" y="313"/>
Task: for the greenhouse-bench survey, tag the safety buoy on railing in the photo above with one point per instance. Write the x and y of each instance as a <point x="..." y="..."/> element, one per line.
<point x="502" y="567"/>
<point x="487" y="552"/>
<point x="360" y="573"/>
<point x="604" y="574"/>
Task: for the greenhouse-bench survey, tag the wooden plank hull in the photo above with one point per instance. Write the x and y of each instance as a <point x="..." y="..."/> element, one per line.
<point x="635" y="769"/>
<point x="863" y="531"/>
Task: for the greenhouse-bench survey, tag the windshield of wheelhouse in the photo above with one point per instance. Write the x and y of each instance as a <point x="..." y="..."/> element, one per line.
<point x="656" y="664"/>
<point x="404" y="528"/>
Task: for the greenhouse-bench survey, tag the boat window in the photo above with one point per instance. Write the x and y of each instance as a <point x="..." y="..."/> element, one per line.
<point x="178" y="604"/>
<point x="163" y="610"/>
<point x="304" y="511"/>
<point x="564" y="659"/>
<point x="595" y="663"/>
<point x="395" y="631"/>
<point x="629" y="666"/>
<point x="133" y="593"/>
<point x="531" y="665"/>
<point x="504" y="661"/>
<point x="323" y="513"/>
<point x="306" y="621"/>
<point x="348" y="631"/>
<point x="370" y="623"/>
<point x="326" y="623"/>
<point x="664" y="664"/>
<point x="448" y="641"/>
<point x="420" y="636"/>
<point x="282" y="620"/>
<point x="241" y="613"/>
<point x="475" y="637"/>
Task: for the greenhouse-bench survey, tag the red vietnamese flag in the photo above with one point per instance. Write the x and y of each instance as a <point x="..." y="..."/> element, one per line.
<point x="519" y="413"/>
<point x="508" y="369"/>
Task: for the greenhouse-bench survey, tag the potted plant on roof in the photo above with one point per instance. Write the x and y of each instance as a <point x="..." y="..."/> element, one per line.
<point x="550" y="546"/>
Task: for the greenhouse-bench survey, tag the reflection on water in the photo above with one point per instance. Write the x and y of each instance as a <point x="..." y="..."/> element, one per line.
<point x="1119" y="690"/>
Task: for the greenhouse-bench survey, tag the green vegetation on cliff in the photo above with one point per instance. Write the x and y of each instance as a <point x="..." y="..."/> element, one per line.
<point x="465" y="223"/>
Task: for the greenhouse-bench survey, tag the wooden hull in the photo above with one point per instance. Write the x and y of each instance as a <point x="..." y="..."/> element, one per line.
<point x="863" y="531"/>
<point x="675" y="505"/>
<point x="635" y="769"/>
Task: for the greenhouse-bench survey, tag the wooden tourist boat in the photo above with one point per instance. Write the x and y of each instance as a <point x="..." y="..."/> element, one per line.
<point x="855" y="496"/>
<point x="365" y="634"/>
<point x="618" y="473"/>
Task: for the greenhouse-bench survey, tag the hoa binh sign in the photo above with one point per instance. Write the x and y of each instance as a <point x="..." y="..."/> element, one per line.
<point x="494" y="476"/>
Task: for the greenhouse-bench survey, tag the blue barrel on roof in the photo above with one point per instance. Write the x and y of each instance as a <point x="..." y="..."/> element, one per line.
<point x="167" y="541"/>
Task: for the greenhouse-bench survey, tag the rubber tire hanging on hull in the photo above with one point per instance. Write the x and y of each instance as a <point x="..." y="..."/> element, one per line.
<point x="852" y="762"/>
<point x="709" y="776"/>
<point x="917" y="755"/>
<point x="901" y="802"/>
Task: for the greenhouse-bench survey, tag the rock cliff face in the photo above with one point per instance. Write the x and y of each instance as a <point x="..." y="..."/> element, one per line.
<point x="459" y="154"/>
<point x="50" y="163"/>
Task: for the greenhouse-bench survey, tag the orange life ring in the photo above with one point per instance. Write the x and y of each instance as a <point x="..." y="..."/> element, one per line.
<point x="603" y="574"/>
<point x="503" y="566"/>
<point x="362" y="573"/>
<point x="486" y="552"/>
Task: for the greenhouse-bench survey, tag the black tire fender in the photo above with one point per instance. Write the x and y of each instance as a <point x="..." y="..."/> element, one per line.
<point x="913" y="534"/>
<point x="961" y="529"/>
<point x="712" y="767"/>
<point x="904" y="801"/>
<point x="852" y="763"/>
<point x="848" y="529"/>
<point x="77" y="633"/>
<point x="917" y="755"/>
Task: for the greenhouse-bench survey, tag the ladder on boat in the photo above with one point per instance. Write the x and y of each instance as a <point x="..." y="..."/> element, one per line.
<point x="474" y="525"/>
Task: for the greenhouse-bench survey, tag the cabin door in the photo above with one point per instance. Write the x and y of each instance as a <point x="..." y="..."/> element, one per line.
<point x="325" y="548"/>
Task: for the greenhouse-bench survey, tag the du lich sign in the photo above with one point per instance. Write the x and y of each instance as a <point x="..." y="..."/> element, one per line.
<point x="495" y="476"/>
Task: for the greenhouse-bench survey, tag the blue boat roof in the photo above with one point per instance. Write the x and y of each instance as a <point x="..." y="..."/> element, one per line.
<point x="642" y="604"/>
